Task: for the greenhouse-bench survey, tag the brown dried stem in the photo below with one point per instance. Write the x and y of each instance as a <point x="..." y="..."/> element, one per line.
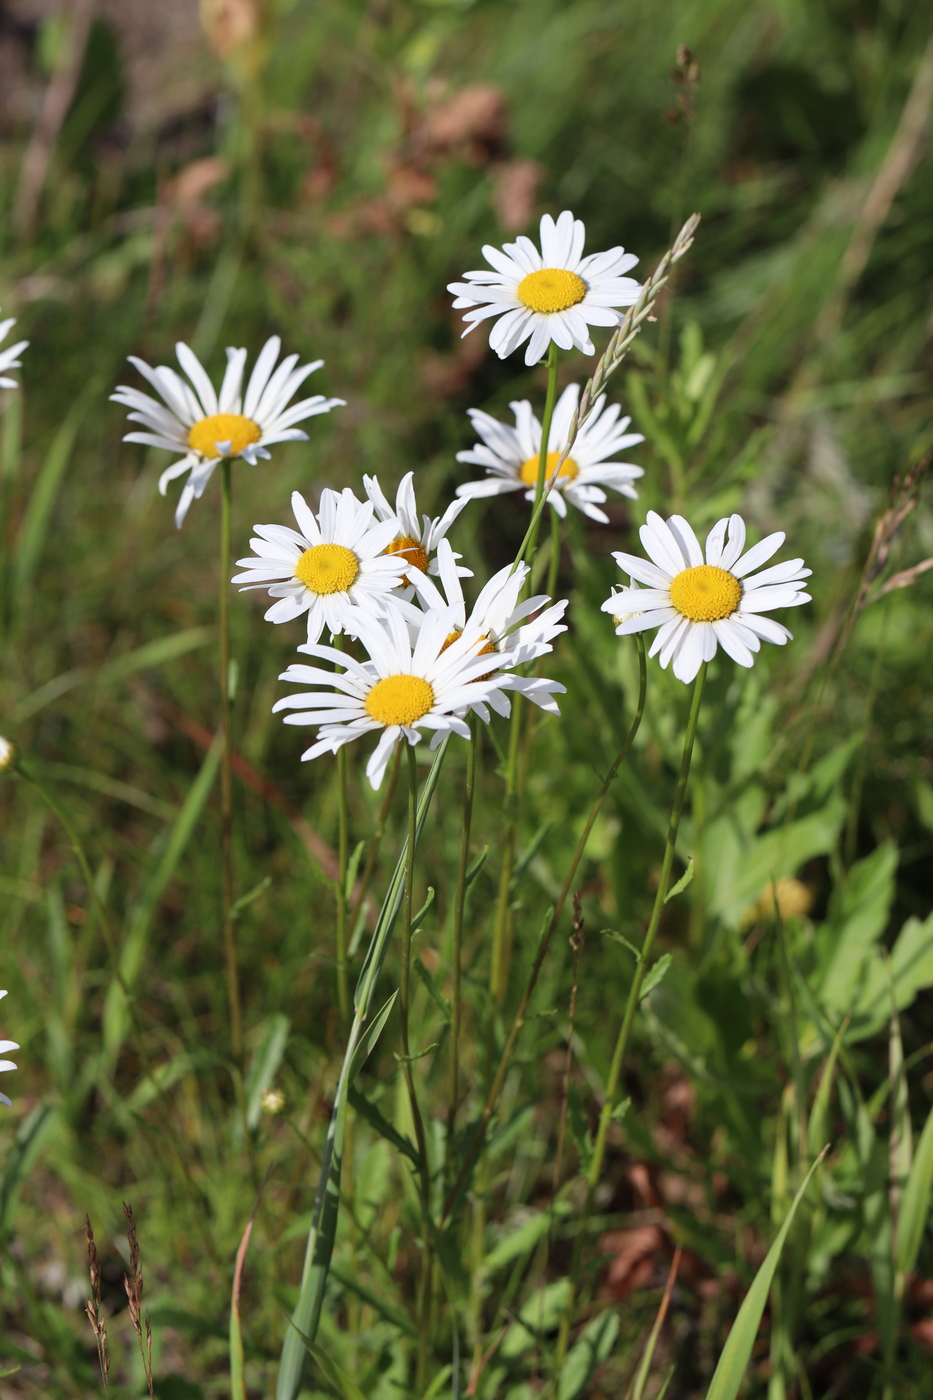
<point x="94" y="1312"/>
<point x="133" y="1283"/>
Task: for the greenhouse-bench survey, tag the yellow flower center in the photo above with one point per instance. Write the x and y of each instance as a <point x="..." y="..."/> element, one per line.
<point x="412" y="550"/>
<point x="223" y="427"/>
<point x="705" y="593"/>
<point x="551" y="289"/>
<point x="483" y="651"/>
<point x="327" y="568"/>
<point x="399" y="700"/>
<point x="528" y="471"/>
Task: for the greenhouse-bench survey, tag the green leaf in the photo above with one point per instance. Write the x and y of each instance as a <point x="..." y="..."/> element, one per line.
<point x="730" y="1371"/>
<point x="362" y="1105"/>
<point x="620" y="938"/>
<point x="655" y="974"/>
<point x="915" y="1202"/>
<point x="592" y="1349"/>
<point x="333" y="1373"/>
<point x="422" y="913"/>
<point x="270" y="1047"/>
<point x="42" y="501"/>
<point x="27" y="1144"/>
<point x="817" y="1127"/>
<point x="432" y="991"/>
<point x="476" y="867"/>
<point x="685" y="879"/>
<point x="367" y="1042"/>
<point x="246" y="900"/>
<point x="523" y="1239"/>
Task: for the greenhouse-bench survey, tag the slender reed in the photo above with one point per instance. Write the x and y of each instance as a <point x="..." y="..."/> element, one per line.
<point x="226" y="774"/>
<point x="625" y="1030"/>
<point x="343" y="861"/>
<point x="492" y="1098"/>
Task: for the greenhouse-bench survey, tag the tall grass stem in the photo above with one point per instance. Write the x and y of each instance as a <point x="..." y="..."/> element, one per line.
<point x="453" y="1078"/>
<point x="226" y="772"/>
<point x="625" y="1030"/>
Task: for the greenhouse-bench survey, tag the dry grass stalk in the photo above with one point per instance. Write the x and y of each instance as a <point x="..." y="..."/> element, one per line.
<point x="95" y="1314"/>
<point x="133" y="1283"/>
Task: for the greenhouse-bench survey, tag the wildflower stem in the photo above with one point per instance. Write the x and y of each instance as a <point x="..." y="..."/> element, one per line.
<point x="492" y="1098"/>
<point x="625" y="1030"/>
<point x="424" y="1171"/>
<point x="343" y="859"/>
<point x="549" y="402"/>
<point x="459" y="906"/>
<point x="226" y="778"/>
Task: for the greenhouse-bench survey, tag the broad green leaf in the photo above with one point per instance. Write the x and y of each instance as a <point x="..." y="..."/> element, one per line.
<point x="915" y="1202"/>
<point x="857" y="920"/>
<point x="730" y="1370"/>
<point x="593" y="1348"/>
<point x="743" y="868"/>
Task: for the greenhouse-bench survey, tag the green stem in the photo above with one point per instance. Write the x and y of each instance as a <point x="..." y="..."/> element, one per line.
<point x="453" y="1080"/>
<point x="625" y="1030"/>
<point x="424" y="1170"/>
<point x="343" y="861"/>
<point x="549" y="402"/>
<point x="554" y="562"/>
<point x="226" y="779"/>
<point x="495" y="1090"/>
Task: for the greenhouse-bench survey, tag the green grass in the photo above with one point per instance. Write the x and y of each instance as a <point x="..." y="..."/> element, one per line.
<point x="769" y="385"/>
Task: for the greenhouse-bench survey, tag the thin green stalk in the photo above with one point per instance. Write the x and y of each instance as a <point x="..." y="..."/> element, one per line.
<point x="424" y="1170"/>
<point x="372" y="853"/>
<point x="453" y="1078"/>
<point x="625" y="1030"/>
<point x="554" y="562"/>
<point x="343" y="861"/>
<point x="226" y="778"/>
<point x="505" y="1060"/>
<point x="502" y="920"/>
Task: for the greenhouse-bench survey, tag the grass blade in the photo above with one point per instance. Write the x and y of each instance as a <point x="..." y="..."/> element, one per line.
<point x="730" y="1370"/>
<point x="915" y="1202"/>
<point x="323" y="1232"/>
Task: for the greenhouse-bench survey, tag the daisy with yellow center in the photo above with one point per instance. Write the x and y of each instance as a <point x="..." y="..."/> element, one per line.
<point x="515" y="633"/>
<point x="406" y="687"/>
<point x="701" y="603"/>
<point x="8" y="357"/>
<point x="416" y="539"/>
<point x="551" y="295"/>
<point x="510" y="455"/>
<point x="333" y="567"/>
<point x="5" y="1047"/>
<point x="207" y="426"/>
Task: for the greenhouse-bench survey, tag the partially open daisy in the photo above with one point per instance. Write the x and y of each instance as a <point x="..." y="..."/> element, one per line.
<point x="551" y="295"/>
<point x="699" y="604"/>
<point x="8" y="357"/>
<point x="207" y="426"/>
<point x="511" y="455"/>
<point x="5" y="1047"/>
<point x="402" y="689"/>
<point x="416" y="540"/>
<point x="334" y="569"/>
<point x="502" y="624"/>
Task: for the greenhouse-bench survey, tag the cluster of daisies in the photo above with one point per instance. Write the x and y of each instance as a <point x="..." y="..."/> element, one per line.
<point x="360" y="567"/>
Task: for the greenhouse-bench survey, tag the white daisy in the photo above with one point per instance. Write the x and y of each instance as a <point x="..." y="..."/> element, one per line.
<point x="416" y="540"/>
<point x="336" y="570"/>
<point x="500" y="621"/>
<point x="207" y="426"/>
<point x="8" y="356"/>
<point x="511" y="455"/>
<point x="5" y="1047"/>
<point x="551" y="295"/>
<point x="698" y="605"/>
<point x="403" y="688"/>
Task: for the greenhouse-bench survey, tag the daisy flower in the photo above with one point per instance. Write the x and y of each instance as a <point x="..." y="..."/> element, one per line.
<point x="335" y="569"/>
<point x="5" y="1047"/>
<point x="699" y="605"/>
<point x="207" y="426"/>
<point x="405" y="687"/>
<point x="8" y="356"/>
<point x="416" y="540"/>
<point x="548" y="296"/>
<point x="7" y="754"/>
<point x="511" y="455"/>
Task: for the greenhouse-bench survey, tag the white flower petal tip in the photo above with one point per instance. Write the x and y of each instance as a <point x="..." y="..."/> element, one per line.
<point x="511" y="455"/>
<point x="700" y="602"/>
<point x="5" y="1047"/>
<point x="207" y="425"/>
<point x="551" y="294"/>
<point x="408" y="686"/>
<point x="334" y="567"/>
<point x="417" y="537"/>
<point x="9" y="358"/>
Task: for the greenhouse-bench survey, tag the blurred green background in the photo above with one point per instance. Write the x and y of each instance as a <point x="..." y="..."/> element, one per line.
<point x="321" y="171"/>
